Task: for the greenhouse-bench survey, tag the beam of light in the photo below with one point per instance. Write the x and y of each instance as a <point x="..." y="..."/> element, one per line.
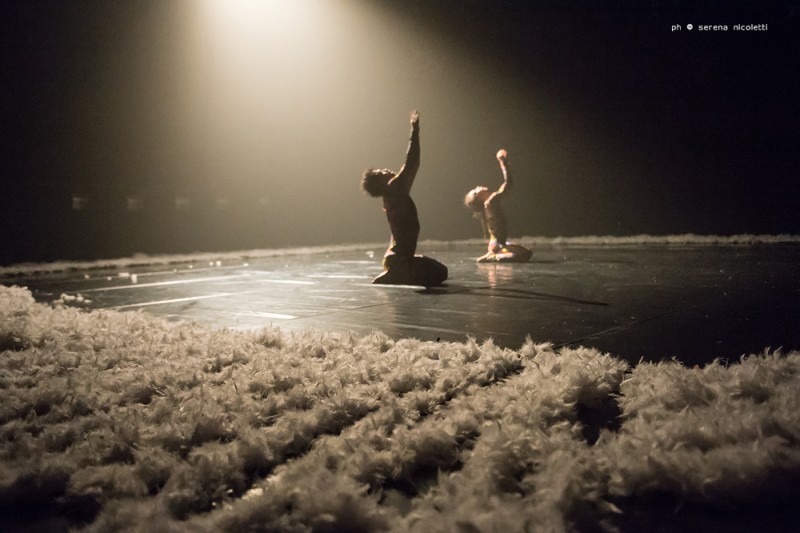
<point x="263" y="54"/>
<point x="253" y="45"/>
<point x="266" y="71"/>
<point x="298" y="96"/>
<point x="246" y="18"/>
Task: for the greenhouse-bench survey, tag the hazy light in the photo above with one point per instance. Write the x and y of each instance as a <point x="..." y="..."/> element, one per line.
<point x="297" y="97"/>
<point x="266" y="70"/>
<point x="258" y="17"/>
<point x="254" y="44"/>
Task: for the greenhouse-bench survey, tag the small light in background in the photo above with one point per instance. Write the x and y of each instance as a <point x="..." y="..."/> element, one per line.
<point x="134" y="203"/>
<point x="80" y="202"/>
<point x="182" y="203"/>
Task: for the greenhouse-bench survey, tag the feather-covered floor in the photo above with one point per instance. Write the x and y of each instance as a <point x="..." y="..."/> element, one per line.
<point x="112" y="420"/>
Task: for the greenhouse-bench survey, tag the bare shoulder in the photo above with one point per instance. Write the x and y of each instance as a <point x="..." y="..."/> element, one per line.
<point x="494" y="198"/>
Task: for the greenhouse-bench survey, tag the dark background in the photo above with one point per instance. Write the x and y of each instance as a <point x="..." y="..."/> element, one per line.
<point x="162" y="126"/>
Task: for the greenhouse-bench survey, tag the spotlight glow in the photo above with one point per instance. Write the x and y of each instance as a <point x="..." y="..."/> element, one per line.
<point x="239" y="27"/>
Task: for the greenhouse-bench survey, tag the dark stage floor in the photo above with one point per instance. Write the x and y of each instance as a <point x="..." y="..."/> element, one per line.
<point x="694" y="303"/>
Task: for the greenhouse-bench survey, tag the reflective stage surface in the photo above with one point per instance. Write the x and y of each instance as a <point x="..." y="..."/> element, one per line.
<point x="649" y="302"/>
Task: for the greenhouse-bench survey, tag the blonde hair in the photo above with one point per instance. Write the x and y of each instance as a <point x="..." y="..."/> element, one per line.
<point x="472" y="201"/>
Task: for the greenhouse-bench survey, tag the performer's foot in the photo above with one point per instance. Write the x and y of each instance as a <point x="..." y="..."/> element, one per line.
<point x="518" y="256"/>
<point x="391" y="277"/>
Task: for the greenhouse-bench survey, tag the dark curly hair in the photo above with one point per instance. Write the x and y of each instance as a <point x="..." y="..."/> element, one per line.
<point x="374" y="181"/>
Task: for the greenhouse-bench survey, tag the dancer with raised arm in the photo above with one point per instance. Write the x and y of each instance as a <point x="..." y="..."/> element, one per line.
<point x="488" y="207"/>
<point x="401" y="265"/>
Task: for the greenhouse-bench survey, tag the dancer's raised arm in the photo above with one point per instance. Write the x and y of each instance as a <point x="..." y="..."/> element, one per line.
<point x="405" y="178"/>
<point x="502" y="158"/>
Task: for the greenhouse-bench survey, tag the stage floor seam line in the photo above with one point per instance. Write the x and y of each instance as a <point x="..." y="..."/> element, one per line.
<point x="613" y="330"/>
